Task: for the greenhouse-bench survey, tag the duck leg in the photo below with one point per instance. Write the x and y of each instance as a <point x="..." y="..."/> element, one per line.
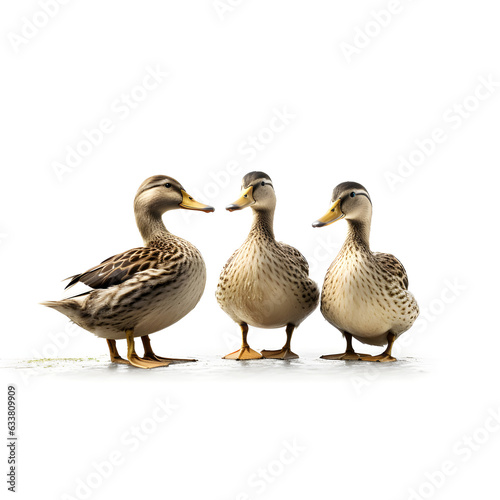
<point x="245" y="352"/>
<point x="349" y="354"/>
<point x="113" y="353"/>
<point x="286" y="351"/>
<point x="136" y="360"/>
<point x="385" y="357"/>
<point x="150" y="355"/>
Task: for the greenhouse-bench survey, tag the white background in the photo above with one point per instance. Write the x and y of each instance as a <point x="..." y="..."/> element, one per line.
<point x="368" y="433"/>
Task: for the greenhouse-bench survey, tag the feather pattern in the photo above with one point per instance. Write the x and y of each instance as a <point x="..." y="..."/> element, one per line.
<point x="119" y="268"/>
<point x="394" y="267"/>
<point x="266" y="283"/>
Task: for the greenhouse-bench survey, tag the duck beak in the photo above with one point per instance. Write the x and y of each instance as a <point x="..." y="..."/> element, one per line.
<point x="245" y="200"/>
<point x="334" y="214"/>
<point x="191" y="204"/>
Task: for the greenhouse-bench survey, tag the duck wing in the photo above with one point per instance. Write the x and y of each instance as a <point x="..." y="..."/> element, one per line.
<point x="296" y="257"/>
<point x="393" y="267"/>
<point x="119" y="268"/>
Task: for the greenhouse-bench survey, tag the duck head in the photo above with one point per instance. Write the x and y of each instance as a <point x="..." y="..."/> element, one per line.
<point x="257" y="192"/>
<point x="161" y="193"/>
<point x="351" y="201"/>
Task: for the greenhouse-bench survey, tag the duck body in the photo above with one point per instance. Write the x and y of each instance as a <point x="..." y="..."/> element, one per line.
<point x="265" y="283"/>
<point x="150" y="300"/>
<point x="366" y="294"/>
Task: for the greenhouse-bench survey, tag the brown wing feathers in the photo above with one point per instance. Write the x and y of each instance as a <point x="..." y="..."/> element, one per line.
<point x="392" y="264"/>
<point x="118" y="269"/>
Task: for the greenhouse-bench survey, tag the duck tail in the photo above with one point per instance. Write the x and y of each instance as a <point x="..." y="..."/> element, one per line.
<point x="68" y="307"/>
<point x="54" y="304"/>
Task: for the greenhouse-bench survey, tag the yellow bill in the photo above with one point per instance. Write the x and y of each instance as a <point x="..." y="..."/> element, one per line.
<point x="190" y="203"/>
<point x="334" y="214"/>
<point x="245" y="200"/>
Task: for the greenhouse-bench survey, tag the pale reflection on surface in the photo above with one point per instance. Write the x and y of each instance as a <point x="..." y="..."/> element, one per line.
<point x="213" y="367"/>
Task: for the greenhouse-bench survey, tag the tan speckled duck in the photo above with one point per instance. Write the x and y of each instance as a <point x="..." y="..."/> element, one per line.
<point x="365" y="294"/>
<point x="143" y="290"/>
<point x="265" y="283"/>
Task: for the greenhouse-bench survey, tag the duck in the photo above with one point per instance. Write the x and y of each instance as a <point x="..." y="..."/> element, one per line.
<point x="146" y="289"/>
<point x="365" y="294"/>
<point x="265" y="283"/>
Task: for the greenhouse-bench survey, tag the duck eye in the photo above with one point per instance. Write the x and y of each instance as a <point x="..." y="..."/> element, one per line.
<point x="262" y="183"/>
<point x="168" y="185"/>
<point x="353" y="194"/>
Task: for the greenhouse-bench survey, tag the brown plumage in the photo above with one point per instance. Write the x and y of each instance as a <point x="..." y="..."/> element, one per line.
<point x="365" y="294"/>
<point x="142" y="290"/>
<point x="265" y="283"/>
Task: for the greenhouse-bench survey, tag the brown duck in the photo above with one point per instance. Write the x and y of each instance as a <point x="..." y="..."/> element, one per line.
<point x="365" y="294"/>
<point x="143" y="290"/>
<point x="265" y="283"/>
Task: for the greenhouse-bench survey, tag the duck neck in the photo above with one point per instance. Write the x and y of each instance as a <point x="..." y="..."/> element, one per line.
<point x="262" y="223"/>
<point x="151" y="227"/>
<point x="359" y="233"/>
